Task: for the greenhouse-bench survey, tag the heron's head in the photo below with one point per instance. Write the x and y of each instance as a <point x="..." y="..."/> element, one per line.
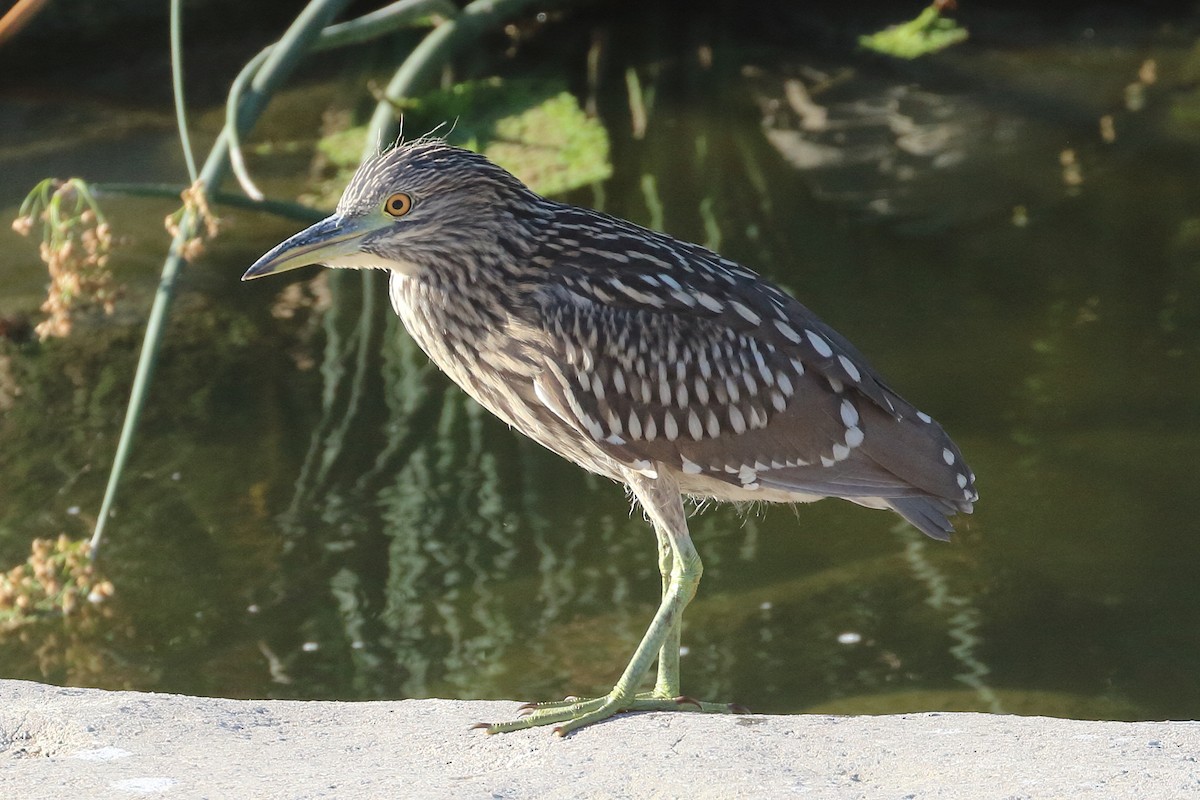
<point x="416" y="206"/>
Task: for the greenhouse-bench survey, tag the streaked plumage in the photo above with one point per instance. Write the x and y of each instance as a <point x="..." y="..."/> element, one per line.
<point x="639" y="357"/>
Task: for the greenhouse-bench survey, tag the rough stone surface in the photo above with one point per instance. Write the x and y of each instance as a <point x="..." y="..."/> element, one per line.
<point x="58" y="742"/>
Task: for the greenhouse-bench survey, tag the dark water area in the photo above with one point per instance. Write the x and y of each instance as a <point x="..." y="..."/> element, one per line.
<point x="1010" y="231"/>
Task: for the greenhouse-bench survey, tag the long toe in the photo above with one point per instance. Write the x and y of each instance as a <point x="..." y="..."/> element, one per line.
<point x="570" y="715"/>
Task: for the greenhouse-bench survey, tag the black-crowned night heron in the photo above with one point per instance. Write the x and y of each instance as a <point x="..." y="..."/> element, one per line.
<point x="642" y="358"/>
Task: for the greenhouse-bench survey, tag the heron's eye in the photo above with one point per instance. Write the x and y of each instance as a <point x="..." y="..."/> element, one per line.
<point x="398" y="204"/>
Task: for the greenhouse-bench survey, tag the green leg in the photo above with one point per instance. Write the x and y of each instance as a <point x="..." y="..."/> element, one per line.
<point x="681" y="574"/>
<point x="667" y="683"/>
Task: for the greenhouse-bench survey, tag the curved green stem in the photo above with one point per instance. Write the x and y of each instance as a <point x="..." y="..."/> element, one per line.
<point x="422" y="65"/>
<point x="280" y="208"/>
<point x="236" y="162"/>
<point x="369" y="26"/>
<point x="185" y="140"/>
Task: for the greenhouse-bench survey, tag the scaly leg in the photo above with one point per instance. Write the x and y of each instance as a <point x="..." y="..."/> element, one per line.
<point x="667" y="682"/>
<point x="661" y="499"/>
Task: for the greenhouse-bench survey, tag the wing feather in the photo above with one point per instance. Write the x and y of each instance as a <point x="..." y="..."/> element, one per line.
<point x="669" y="355"/>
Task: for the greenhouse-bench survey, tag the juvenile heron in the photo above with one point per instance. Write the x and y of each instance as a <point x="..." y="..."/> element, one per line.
<point x="642" y="358"/>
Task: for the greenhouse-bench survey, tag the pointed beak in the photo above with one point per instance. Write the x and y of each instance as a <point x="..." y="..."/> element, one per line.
<point x="323" y="243"/>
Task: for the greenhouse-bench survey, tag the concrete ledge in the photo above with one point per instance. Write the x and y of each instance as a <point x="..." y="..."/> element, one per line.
<point x="57" y="742"/>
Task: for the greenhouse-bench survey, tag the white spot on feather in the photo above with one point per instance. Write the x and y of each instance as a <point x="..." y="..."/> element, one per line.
<point x="670" y="427"/>
<point x="681" y="396"/>
<point x="745" y="313"/>
<point x="849" y="414"/>
<point x="714" y="424"/>
<point x="854" y="436"/>
<point x="709" y="302"/>
<point x="758" y="417"/>
<point x="751" y="384"/>
<point x="593" y="426"/>
<point x="540" y="391"/>
<point x="684" y="298"/>
<point x="819" y="344"/>
<point x="635" y="425"/>
<point x="851" y="370"/>
<point x="788" y="331"/>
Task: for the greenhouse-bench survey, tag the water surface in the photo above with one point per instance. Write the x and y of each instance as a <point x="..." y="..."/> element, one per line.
<point x="313" y="511"/>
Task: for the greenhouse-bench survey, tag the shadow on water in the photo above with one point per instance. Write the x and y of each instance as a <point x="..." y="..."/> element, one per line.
<point x="316" y="512"/>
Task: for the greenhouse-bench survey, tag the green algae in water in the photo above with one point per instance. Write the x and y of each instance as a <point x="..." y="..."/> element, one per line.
<point x="928" y="33"/>
<point x="534" y="129"/>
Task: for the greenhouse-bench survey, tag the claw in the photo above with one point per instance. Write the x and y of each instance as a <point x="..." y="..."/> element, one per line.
<point x="683" y="699"/>
<point x="485" y="725"/>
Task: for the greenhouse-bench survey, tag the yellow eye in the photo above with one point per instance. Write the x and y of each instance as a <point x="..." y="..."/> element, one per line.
<point x="398" y="204"/>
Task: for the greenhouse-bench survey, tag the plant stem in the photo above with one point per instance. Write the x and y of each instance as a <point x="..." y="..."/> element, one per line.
<point x="185" y="140"/>
<point x="369" y="26"/>
<point x="422" y="65"/>
<point x="280" y="208"/>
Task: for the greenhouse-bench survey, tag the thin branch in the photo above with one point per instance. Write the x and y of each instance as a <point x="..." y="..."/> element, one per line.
<point x="185" y="140"/>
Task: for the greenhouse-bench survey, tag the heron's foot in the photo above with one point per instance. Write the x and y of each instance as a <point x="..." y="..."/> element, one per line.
<point x="574" y="713"/>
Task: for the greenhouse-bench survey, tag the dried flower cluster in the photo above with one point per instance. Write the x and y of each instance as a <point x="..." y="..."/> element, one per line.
<point x="58" y="577"/>
<point x="203" y="223"/>
<point x="76" y="241"/>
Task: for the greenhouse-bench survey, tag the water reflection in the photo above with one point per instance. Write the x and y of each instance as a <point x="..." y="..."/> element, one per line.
<point x="493" y="547"/>
<point x="346" y="524"/>
<point x="457" y="559"/>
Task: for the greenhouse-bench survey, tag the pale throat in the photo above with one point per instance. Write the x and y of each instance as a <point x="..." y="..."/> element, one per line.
<point x="401" y="269"/>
